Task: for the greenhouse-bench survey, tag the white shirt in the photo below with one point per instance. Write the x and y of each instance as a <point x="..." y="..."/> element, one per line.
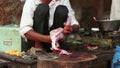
<point x="28" y="12"/>
<point x="115" y="10"/>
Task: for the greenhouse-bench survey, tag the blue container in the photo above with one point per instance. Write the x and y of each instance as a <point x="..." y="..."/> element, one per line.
<point x="116" y="58"/>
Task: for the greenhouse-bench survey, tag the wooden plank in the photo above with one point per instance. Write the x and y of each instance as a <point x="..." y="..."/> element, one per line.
<point x="16" y="59"/>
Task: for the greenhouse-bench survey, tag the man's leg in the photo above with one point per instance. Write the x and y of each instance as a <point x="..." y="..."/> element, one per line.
<point x="60" y="16"/>
<point x="41" y="16"/>
<point x="40" y="23"/>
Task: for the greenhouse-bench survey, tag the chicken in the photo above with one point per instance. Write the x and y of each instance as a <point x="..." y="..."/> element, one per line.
<point x="56" y="35"/>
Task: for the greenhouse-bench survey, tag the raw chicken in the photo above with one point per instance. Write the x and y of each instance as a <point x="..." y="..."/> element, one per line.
<point x="56" y="35"/>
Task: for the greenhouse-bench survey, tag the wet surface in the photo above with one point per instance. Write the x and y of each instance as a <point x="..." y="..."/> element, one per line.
<point x="77" y="57"/>
<point x="74" y="57"/>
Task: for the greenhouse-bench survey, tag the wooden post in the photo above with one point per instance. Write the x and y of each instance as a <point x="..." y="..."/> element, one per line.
<point x="100" y="8"/>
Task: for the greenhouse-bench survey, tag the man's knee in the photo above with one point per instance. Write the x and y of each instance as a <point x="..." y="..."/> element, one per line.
<point x="61" y="9"/>
<point x="42" y="8"/>
<point x="61" y="12"/>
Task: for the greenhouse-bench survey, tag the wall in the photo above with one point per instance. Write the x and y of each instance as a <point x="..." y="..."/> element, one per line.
<point x="10" y="11"/>
<point x="85" y="10"/>
<point x="90" y="9"/>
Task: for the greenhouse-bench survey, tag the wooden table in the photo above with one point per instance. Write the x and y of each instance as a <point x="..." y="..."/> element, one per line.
<point x="90" y="60"/>
<point x="104" y="56"/>
<point x="17" y="62"/>
<point x="77" y="60"/>
<point x="4" y="63"/>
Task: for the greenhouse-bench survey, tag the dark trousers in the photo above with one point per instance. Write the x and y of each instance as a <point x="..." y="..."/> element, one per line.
<point x="41" y="22"/>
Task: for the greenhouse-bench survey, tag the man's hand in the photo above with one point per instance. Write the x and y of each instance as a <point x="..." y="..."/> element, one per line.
<point x="75" y="28"/>
<point x="70" y="29"/>
<point x="67" y="29"/>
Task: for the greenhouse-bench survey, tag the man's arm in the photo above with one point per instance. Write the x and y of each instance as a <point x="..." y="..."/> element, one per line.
<point x="37" y="37"/>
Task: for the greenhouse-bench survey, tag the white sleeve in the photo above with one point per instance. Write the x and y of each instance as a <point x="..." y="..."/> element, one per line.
<point x="71" y="13"/>
<point x="115" y="10"/>
<point x="27" y="17"/>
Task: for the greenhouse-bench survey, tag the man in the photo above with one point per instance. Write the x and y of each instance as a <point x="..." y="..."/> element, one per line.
<point x="115" y="15"/>
<point x="39" y="17"/>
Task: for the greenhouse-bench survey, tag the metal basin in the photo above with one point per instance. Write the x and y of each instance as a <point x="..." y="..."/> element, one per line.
<point x="108" y="25"/>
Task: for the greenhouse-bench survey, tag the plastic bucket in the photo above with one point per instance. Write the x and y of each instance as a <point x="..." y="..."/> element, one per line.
<point x="116" y="58"/>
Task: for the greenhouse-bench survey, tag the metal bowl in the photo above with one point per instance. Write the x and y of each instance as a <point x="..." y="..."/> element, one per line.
<point x="108" y="25"/>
